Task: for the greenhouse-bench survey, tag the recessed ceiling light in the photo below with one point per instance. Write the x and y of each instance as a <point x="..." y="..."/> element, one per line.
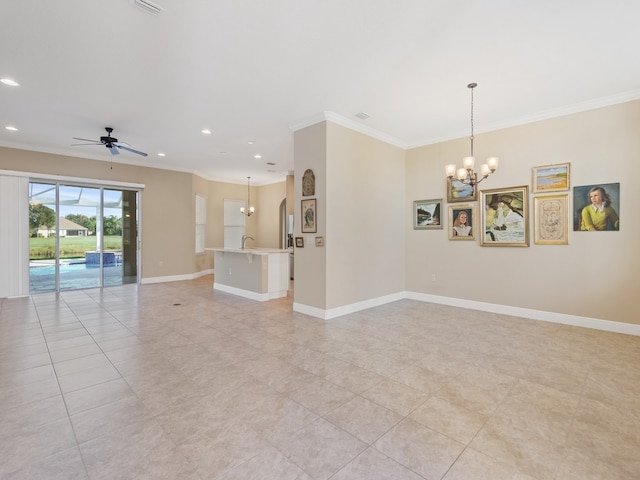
<point x="162" y="154"/>
<point x="8" y="81"/>
<point x="11" y="129"/>
<point x="206" y="131"/>
<point x="257" y="156"/>
<point x="250" y="142"/>
<point x="363" y="115"/>
<point x="270" y="163"/>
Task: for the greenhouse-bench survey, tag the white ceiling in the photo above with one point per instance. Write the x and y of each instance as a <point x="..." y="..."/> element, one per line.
<point x="250" y="70"/>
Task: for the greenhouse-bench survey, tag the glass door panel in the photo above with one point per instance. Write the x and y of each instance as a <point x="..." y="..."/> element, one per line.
<point x="42" y="237"/>
<point x="80" y="239"/>
<point x="120" y="237"/>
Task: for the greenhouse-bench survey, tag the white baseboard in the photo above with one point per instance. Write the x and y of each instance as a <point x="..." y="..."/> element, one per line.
<point x="260" y="297"/>
<point x="575" y="320"/>
<point x="175" y="278"/>
<point x="346" y="309"/>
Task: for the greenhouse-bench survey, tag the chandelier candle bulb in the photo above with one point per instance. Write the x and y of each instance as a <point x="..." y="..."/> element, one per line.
<point x="485" y="170"/>
<point x="493" y="163"/>
<point x="462" y="174"/>
<point x="468" y="162"/>
<point x="451" y="170"/>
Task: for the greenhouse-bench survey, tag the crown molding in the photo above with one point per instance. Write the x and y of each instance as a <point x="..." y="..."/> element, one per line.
<point x="332" y="117"/>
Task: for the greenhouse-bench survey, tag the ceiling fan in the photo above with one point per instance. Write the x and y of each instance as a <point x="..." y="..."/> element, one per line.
<point x="110" y="142"/>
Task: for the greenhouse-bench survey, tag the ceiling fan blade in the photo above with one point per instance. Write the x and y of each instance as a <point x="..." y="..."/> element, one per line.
<point x="129" y="149"/>
<point x="76" y="144"/>
<point x="87" y="140"/>
<point x="114" y="151"/>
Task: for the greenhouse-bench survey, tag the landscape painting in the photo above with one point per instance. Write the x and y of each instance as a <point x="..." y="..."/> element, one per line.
<point x="426" y="214"/>
<point x="551" y="178"/>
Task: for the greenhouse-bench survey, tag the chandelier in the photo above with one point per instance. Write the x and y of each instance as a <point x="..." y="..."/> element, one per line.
<point x="251" y="209"/>
<point x="466" y="174"/>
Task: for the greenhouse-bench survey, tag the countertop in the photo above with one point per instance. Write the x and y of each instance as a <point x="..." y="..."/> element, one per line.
<point x="255" y="251"/>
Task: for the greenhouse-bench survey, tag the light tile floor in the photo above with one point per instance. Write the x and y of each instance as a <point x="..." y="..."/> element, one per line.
<point x="175" y="381"/>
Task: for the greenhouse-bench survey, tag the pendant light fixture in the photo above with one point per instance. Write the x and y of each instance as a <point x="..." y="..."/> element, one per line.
<point x="251" y="210"/>
<point x="466" y="174"/>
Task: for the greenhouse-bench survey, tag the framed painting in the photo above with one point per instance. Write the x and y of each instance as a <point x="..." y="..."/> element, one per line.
<point x="300" y="242"/>
<point x="551" y="220"/>
<point x="309" y="216"/>
<point x="426" y="214"/>
<point x="551" y="178"/>
<point x="504" y="217"/>
<point x="596" y="207"/>
<point x="461" y="222"/>
<point x="460" y="192"/>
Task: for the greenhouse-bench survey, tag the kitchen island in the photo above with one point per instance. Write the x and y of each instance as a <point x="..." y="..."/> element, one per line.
<point x="256" y="273"/>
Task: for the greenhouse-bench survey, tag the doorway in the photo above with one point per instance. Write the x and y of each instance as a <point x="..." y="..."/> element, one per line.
<point x="81" y="236"/>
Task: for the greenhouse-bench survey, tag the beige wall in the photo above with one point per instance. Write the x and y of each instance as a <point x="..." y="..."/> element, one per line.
<point x="595" y="276"/>
<point x="310" y="151"/>
<point x="359" y="191"/>
<point x="365" y="191"/>
<point x="269" y="197"/>
<point x="167" y="206"/>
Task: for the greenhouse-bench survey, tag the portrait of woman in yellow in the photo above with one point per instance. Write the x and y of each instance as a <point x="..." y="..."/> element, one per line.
<point x="599" y="214"/>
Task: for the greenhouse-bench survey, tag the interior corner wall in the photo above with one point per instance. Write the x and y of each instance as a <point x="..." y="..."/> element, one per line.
<point x="310" y="152"/>
<point x="365" y="191"/>
<point x="596" y="275"/>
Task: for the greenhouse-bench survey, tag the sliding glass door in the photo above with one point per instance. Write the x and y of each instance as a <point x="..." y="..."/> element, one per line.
<point x="81" y="236"/>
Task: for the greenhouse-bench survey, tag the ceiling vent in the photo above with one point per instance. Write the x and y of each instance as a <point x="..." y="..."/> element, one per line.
<point x="147" y="6"/>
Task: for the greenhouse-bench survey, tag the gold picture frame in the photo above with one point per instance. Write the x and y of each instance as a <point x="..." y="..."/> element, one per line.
<point x="427" y="214"/>
<point x="504" y="213"/>
<point x="551" y="178"/>
<point x="309" y="216"/>
<point x="551" y="220"/>
<point x="462" y="222"/>
<point x="458" y="191"/>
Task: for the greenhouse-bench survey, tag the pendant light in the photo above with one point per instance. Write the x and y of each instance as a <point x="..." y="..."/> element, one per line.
<point x="251" y="210"/>
<point x="466" y="174"/>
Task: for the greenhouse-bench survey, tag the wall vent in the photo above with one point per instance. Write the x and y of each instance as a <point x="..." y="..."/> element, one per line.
<point x="147" y="6"/>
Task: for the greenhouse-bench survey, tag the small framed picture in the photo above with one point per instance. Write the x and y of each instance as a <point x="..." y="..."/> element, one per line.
<point x="319" y="241"/>
<point x="426" y="214"/>
<point x="505" y="218"/>
<point x="551" y="178"/>
<point x="551" y="220"/>
<point x="460" y="192"/>
<point x="309" y="216"/>
<point x="300" y="242"/>
<point x="462" y="219"/>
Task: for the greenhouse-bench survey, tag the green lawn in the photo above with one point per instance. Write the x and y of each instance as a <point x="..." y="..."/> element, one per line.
<point x="70" y="247"/>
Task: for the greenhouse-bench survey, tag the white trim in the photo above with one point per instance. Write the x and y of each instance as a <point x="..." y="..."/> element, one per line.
<point x="616" y="99"/>
<point x="65" y="178"/>
<point x="553" y="317"/>
<point x="350" y="124"/>
<point x="346" y="309"/>
<point x="541" y="315"/>
<point x="175" y="278"/>
<point x="260" y="297"/>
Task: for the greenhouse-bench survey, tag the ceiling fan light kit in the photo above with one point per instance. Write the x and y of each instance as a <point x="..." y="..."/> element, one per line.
<point x="111" y="143"/>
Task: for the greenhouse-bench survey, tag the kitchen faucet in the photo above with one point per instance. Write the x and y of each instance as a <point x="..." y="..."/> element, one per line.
<point x="244" y="240"/>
